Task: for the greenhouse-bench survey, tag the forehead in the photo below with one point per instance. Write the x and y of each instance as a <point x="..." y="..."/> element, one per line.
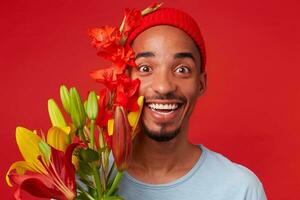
<point x="164" y="37"/>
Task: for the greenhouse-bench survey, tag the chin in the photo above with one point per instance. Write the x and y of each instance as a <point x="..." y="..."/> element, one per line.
<point x="161" y="135"/>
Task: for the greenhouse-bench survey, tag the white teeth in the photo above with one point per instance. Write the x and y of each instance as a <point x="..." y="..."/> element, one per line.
<point x="159" y="106"/>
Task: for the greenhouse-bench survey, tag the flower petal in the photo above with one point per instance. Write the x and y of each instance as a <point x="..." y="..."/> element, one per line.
<point x="110" y="126"/>
<point x="58" y="138"/>
<point x="36" y="184"/>
<point x="133" y="117"/>
<point x="62" y="163"/>
<point x="101" y="74"/>
<point x="21" y="167"/>
<point x="29" y="148"/>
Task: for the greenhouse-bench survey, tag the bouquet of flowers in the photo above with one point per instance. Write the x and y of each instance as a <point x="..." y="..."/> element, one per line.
<point x="72" y="160"/>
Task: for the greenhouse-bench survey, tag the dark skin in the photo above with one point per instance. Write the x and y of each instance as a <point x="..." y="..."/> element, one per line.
<point x="169" y="67"/>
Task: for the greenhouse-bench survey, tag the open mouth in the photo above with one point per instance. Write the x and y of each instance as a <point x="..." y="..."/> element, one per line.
<point x="164" y="107"/>
<point x="164" y="110"/>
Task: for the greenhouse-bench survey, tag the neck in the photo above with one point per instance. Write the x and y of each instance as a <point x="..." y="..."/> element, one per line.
<point x="147" y="150"/>
<point x="163" y="158"/>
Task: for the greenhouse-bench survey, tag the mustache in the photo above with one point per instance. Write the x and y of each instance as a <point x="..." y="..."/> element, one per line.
<point x="168" y="96"/>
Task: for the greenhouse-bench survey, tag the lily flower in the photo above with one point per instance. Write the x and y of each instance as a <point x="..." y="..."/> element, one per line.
<point x="45" y="172"/>
<point x="121" y="131"/>
<point x="121" y="139"/>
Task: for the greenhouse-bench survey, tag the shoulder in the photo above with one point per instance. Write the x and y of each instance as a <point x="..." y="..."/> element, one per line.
<point x="229" y="172"/>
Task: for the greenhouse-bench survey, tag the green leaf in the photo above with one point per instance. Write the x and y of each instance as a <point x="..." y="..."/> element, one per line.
<point x="77" y="109"/>
<point x="84" y="168"/>
<point x="45" y="149"/>
<point x="88" y="155"/>
<point x="92" y="106"/>
<point x="65" y="98"/>
<point x="83" y="195"/>
<point x="112" y="198"/>
<point x="56" y="117"/>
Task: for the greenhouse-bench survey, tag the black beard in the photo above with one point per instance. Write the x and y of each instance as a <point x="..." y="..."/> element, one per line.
<point x="162" y="135"/>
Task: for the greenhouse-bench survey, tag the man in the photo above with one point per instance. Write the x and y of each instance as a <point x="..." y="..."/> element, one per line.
<point x="170" y="56"/>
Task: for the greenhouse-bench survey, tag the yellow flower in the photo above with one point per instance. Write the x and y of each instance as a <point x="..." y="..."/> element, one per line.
<point x="27" y="142"/>
<point x="51" y="165"/>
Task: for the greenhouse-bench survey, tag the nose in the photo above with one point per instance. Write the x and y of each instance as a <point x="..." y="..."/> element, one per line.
<point x="163" y="82"/>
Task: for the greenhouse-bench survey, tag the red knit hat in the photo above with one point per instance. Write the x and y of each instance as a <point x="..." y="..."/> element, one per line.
<point x="172" y="17"/>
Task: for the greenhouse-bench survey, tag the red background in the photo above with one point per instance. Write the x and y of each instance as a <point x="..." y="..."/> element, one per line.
<point x="250" y="112"/>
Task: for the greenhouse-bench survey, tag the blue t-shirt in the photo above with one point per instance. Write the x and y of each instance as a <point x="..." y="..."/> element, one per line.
<point x="213" y="177"/>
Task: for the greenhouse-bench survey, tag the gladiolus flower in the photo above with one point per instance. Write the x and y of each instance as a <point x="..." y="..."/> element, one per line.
<point x="103" y="37"/>
<point x="120" y="56"/>
<point x="133" y="18"/>
<point x="45" y="171"/>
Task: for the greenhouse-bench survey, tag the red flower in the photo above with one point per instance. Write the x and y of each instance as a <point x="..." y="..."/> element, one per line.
<point x="121" y="142"/>
<point x="133" y="18"/>
<point x="104" y="37"/>
<point x="102" y="74"/>
<point x="104" y="112"/>
<point x="120" y="57"/>
<point x="120" y="91"/>
<point x="58" y="182"/>
<point x="127" y="93"/>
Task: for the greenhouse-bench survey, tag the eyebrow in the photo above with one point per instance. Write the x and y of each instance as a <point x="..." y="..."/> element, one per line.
<point x="179" y="55"/>
<point x="184" y="55"/>
<point x="145" y="54"/>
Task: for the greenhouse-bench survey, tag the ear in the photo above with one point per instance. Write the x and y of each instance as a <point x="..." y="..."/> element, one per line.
<point x="202" y="85"/>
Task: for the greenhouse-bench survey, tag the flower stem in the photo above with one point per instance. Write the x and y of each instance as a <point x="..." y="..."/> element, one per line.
<point x="92" y="137"/>
<point x="97" y="181"/>
<point x="110" y="171"/>
<point x="83" y="191"/>
<point x="115" y="183"/>
<point x="81" y="135"/>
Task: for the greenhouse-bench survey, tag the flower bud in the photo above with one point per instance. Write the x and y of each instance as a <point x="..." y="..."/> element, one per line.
<point x="153" y="7"/>
<point x="121" y="138"/>
<point x="92" y="106"/>
<point x="65" y="98"/>
<point x="77" y="109"/>
<point x="56" y="117"/>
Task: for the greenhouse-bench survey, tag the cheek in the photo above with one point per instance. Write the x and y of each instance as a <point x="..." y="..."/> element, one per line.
<point x="144" y="86"/>
<point x="191" y="93"/>
<point x="190" y="88"/>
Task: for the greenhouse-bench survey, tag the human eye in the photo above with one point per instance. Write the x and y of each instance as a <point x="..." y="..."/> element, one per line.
<point x="182" y="70"/>
<point x="144" y="68"/>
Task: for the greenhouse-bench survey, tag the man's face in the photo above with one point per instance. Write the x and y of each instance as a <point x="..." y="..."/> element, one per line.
<point x="171" y="80"/>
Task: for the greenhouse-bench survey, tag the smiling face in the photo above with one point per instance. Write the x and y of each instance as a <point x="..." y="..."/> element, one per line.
<point x="171" y="80"/>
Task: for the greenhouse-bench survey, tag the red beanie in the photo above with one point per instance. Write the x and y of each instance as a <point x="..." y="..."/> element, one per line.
<point x="172" y="17"/>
